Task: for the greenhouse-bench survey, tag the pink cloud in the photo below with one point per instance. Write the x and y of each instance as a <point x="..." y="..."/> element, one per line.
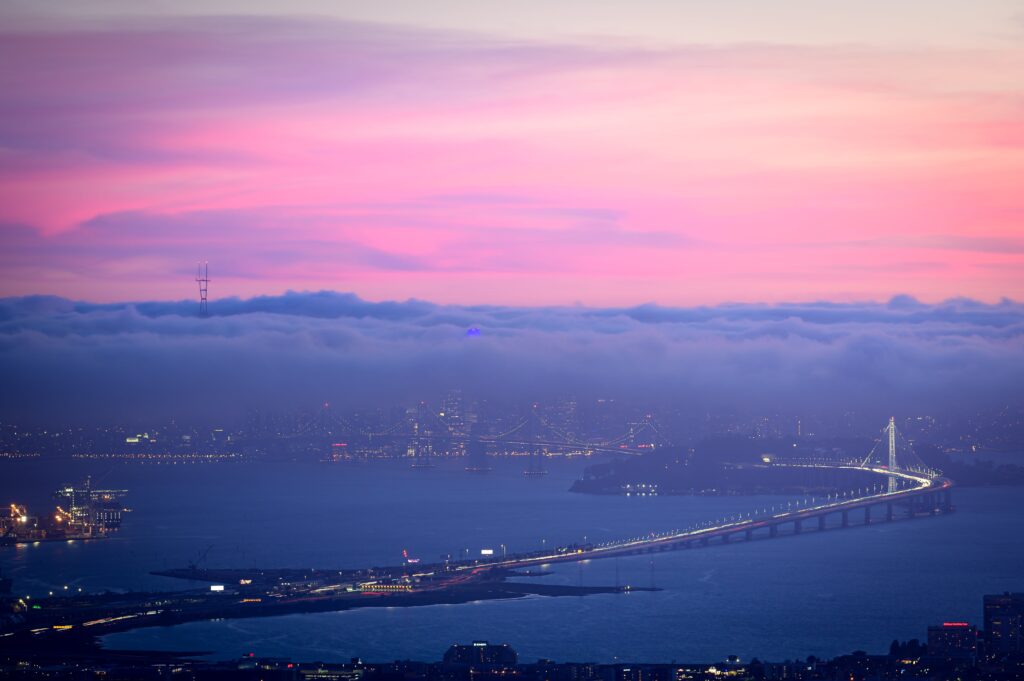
<point x="400" y="162"/>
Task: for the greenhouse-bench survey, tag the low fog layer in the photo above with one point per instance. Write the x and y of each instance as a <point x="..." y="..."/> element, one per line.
<point x="66" y="361"/>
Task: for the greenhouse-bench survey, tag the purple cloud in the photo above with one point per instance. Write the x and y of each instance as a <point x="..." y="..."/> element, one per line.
<point x="74" y="360"/>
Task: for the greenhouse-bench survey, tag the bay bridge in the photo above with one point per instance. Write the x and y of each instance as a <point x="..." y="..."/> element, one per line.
<point x="905" y="488"/>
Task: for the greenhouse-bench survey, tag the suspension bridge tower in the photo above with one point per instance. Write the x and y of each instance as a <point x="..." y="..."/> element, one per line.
<point x="892" y="452"/>
<point x="536" y="465"/>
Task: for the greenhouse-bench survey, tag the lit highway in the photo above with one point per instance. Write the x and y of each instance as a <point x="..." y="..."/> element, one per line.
<point x="915" y="484"/>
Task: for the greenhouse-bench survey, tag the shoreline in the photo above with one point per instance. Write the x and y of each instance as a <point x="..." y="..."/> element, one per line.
<point x="79" y="640"/>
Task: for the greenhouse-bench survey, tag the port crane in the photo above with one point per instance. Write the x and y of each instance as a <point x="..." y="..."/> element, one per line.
<point x="194" y="564"/>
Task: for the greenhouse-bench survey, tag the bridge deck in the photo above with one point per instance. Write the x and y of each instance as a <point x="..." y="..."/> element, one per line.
<point x="920" y="484"/>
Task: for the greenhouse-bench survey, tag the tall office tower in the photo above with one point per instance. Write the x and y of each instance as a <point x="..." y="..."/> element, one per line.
<point x="481" y="655"/>
<point x="953" y="641"/>
<point x="1004" y="623"/>
<point x="453" y="413"/>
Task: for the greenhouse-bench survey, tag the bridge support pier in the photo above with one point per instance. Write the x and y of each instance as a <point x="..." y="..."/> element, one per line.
<point x="846" y="518"/>
<point x="798" y="526"/>
<point x="914" y="506"/>
<point x="821" y="523"/>
<point x="748" y="535"/>
<point x="725" y="538"/>
<point x="867" y="515"/>
<point x="704" y="541"/>
<point x="889" y="512"/>
<point x="773" y="531"/>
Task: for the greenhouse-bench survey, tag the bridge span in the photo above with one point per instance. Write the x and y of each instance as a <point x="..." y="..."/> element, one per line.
<point x="908" y="493"/>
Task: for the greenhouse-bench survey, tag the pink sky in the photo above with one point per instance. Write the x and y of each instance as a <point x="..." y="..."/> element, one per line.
<point x="462" y="164"/>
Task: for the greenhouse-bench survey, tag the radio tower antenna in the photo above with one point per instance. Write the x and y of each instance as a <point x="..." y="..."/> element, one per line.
<point x="203" y="279"/>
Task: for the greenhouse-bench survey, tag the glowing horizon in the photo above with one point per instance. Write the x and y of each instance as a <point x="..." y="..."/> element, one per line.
<point x="400" y="155"/>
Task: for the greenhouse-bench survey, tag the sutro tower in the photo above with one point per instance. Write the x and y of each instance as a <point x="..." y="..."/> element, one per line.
<point x="203" y="279"/>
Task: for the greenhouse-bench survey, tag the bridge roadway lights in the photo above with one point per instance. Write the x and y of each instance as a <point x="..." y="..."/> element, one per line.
<point x="933" y="502"/>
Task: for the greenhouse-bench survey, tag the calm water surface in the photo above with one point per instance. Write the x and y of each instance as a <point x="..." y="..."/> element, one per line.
<point x="815" y="594"/>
